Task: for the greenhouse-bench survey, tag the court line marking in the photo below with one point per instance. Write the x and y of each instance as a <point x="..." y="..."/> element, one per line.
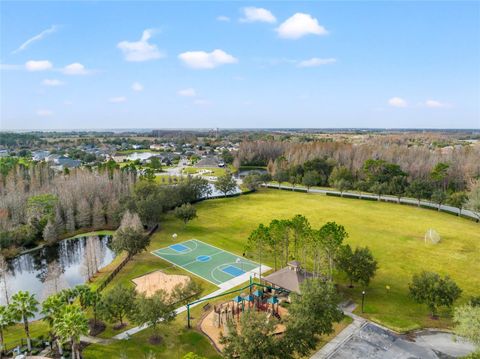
<point x="236" y="255"/>
<point x="195" y="274"/>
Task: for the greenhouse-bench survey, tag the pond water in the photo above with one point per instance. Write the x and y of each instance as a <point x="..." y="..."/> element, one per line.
<point x="216" y="193"/>
<point x="53" y="268"/>
<point x="244" y="173"/>
<point x="139" y="156"/>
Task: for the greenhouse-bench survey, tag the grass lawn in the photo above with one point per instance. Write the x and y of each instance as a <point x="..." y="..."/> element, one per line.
<point x="393" y="232"/>
<point x="216" y="171"/>
<point x="14" y="334"/>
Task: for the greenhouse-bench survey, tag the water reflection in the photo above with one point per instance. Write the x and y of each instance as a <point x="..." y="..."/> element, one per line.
<point x="52" y="268"/>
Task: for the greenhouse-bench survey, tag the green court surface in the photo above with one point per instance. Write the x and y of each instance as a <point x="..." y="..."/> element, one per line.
<point x="206" y="261"/>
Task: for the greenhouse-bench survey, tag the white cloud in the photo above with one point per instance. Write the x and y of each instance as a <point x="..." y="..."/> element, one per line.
<point x="300" y="25"/>
<point x="436" y="104"/>
<point x="315" y="61"/>
<point x="35" y="38"/>
<point x="206" y="60"/>
<point x="75" y="69"/>
<point x="188" y="92"/>
<point x="67" y="103"/>
<point x="397" y="102"/>
<point x="41" y="65"/>
<point x="257" y="14"/>
<point x="223" y="18"/>
<point x="44" y="113"/>
<point x="52" y="82"/>
<point x="118" y="99"/>
<point x="142" y="50"/>
<point x="137" y="86"/>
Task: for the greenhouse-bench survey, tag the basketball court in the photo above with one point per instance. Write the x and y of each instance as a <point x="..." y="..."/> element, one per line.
<point x="206" y="261"/>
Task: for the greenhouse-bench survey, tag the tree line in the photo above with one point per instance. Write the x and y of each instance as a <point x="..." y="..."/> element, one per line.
<point x="67" y="312"/>
<point x="375" y="176"/>
<point x="38" y="204"/>
<point x="416" y="160"/>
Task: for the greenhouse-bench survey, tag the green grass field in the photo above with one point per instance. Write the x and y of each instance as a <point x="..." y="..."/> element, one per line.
<point x="393" y="232"/>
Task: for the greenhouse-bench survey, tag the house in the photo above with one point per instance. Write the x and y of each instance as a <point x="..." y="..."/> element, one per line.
<point x="40" y="155"/>
<point x="3" y="153"/>
<point x="207" y="162"/>
<point x="290" y="277"/>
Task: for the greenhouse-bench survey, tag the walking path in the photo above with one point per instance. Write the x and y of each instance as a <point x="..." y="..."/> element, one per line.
<point x="224" y="287"/>
<point x="391" y="199"/>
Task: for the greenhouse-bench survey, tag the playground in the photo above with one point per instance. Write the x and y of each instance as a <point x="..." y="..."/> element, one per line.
<point x="208" y="262"/>
<point x="254" y="297"/>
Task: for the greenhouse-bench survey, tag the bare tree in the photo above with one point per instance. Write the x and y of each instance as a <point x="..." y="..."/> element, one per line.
<point x="3" y="278"/>
<point x="98" y="214"/>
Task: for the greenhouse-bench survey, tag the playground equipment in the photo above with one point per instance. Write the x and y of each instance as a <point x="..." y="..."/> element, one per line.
<point x="223" y="314"/>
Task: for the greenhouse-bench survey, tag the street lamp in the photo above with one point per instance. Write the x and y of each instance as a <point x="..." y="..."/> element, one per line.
<point x="363" y="299"/>
<point x="239" y="260"/>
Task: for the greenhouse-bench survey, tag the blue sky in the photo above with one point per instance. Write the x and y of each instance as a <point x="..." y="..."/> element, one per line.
<point x="239" y="64"/>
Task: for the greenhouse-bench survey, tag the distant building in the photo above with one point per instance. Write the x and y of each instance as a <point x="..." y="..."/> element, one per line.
<point x="40" y="155"/>
<point x="207" y="162"/>
<point x="3" y="153"/>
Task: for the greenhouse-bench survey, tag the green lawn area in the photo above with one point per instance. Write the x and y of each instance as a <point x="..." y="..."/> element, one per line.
<point x="216" y="171"/>
<point x="393" y="232"/>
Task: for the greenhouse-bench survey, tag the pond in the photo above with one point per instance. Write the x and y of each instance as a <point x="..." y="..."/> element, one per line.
<point x="52" y="268"/>
<point x="135" y="156"/>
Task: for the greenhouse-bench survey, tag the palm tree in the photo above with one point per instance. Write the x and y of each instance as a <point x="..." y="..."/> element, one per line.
<point x="6" y="319"/>
<point x="51" y="308"/>
<point x="70" y="325"/>
<point x="24" y="306"/>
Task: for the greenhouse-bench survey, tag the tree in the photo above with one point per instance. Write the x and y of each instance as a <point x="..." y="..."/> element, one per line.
<point x="457" y="199"/>
<point x="439" y="174"/>
<point x="358" y="265"/>
<point x="70" y="324"/>
<point x="147" y="202"/>
<point x="252" y="338"/>
<point x="192" y="355"/>
<point x="118" y="303"/>
<point x="467" y="322"/>
<point x="6" y="320"/>
<point x="98" y="214"/>
<point x="258" y="240"/>
<point x="59" y="222"/>
<point x="130" y="236"/>
<point x="155" y="163"/>
<point x="420" y="189"/>
<point x="397" y="186"/>
<point x="253" y="180"/>
<point x="309" y="317"/>
<point x="473" y="202"/>
<point x="186" y="212"/>
<point x="300" y="227"/>
<point x="341" y="178"/>
<point x="379" y="189"/>
<point x="439" y="197"/>
<point x="430" y="289"/>
<point x="226" y="184"/>
<point x="310" y="179"/>
<point x="24" y="306"/>
<point x="280" y="176"/>
<point x="50" y="233"/>
<point x="152" y="311"/>
<point x="3" y="278"/>
<point x="70" y="220"/>
<point x="331" y="238"/>
<point x="279" y="239"/>
<point x="51" y="308"/>
<point x="84" y="218"/>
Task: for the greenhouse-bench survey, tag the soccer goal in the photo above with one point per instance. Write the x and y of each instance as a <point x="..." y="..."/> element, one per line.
<point x="432" y="237"/>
